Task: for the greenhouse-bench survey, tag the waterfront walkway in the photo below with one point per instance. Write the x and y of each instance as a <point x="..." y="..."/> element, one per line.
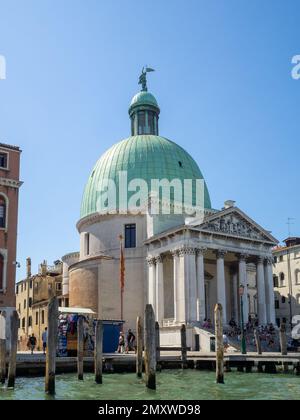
<point x="28" y="364"/>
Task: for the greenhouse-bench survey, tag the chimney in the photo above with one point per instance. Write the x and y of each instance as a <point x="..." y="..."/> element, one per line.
<point x="28" y="267"/>
<point x="44" y="268"/>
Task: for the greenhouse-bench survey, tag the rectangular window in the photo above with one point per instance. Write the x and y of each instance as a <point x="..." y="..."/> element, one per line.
<point x="30" y="284"/>
<point x="275" y="279"/>
<point x="58" y="286"/>
<point x="3" y="160"/>
<point x="30" y="302"/>
<point x="23" y="322"/>
<point x="17" y="291"/>
<point x="43" y="317"/>
<point x="275" y="259"/>
<point x="87" y="243"/>
<point x="281" y="258"/>
<point x="36" y="318"/>
<point x="2" y="213"/>
<point x="24" y="303"/>
<point x="130" y="236"/>
<point x="276" y="304"/>
<point x="30" y="321"/>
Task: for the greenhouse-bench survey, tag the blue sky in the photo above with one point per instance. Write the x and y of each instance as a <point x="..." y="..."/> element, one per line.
<point x="223" y="82"/>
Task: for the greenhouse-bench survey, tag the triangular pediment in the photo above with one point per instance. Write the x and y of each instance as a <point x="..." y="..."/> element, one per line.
<point x="233" y="222"/>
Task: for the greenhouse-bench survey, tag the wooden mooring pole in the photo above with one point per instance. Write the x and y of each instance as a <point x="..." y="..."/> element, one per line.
<point x="150" y="348"/>
<point x="219" y="344"/>
<point x="80" y="348"/>
<point x="257" y="341"/>
<point x="183" y="347"/>
<point x="98" y="351"/>
<point x="12" y="366"/>
<point x="51" y="346"/>
<point x="282" y="337"/>
<point x="139" y="347"/>
<point x="2" y="349"/>
<point x="157" y="343"/>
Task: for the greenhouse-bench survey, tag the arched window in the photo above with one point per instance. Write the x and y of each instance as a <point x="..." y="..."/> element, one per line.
<point x="1" y="272"/>
<point x="2" y="212"/>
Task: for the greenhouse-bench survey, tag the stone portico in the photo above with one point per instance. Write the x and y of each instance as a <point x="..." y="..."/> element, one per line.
<point x="191" y="268"/>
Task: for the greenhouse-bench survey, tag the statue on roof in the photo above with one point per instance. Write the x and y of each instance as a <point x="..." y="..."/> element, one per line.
<point x="143" y="78"/>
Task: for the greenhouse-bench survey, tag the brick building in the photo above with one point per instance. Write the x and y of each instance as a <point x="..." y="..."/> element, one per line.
<point x="9" y="197"/>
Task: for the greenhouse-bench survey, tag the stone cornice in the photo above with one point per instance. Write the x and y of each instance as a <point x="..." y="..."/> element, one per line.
<point x="12" y="183"/>
<point x="97" y="217"/>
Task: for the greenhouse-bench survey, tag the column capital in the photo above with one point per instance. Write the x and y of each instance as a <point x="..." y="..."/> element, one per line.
<point x="200" y="250"/>
<point x="260" y="259"/>
<point x="220" y="253"/>
<point x="186" y="250"/>
<point x="269" y="260"/>
<point x="151" y="261"/>
<point x="158" y="259"/>
<point x="242" y="256"/>
<point x="174" y="252"/>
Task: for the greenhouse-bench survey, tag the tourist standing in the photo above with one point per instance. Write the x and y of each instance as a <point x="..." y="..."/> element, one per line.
<point x="44" y="340"/>
<point x="129" y="341"/>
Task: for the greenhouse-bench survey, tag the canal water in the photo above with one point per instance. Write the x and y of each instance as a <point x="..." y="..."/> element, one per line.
<point x="173" y="384"/>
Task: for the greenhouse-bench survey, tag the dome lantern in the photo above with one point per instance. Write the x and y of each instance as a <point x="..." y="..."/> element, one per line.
<point x="144" y="110"/>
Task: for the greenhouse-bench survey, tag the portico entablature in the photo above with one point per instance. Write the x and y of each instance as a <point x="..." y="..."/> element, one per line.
<point x="159" y="248"/>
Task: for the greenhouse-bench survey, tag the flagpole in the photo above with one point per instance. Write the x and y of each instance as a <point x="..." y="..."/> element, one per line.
<point x="122" y="269"/>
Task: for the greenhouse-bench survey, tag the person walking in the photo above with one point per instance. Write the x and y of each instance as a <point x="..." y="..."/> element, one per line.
<point x="129" y="341"/>
<point x="44" y="340"/>
<point x="32" y="343"/>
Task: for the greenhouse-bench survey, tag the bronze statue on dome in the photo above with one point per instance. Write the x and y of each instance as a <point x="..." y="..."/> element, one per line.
<point x="143" y="78"/>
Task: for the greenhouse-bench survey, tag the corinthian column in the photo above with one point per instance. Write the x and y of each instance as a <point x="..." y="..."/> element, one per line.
<point x="188" y="282"/>
<point x="221" y="287"/>
<point x="176" y="284"/>
<point x="243" y="281"/>
<point x="270" y="290"/>
<point x="201" y="304"/>
<point x="261" y="298"/>
<point x="152" y="282"/>
<point x="160" y="305"/>
<point x="235" y="296"/>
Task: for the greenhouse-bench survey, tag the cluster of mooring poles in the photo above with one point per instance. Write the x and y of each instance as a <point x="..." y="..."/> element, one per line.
<point x="52" y="345"/>
<point x="11" y="354"/>
<point x="148" y="348"/>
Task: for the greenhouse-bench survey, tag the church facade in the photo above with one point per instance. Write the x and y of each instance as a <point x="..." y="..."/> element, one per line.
<point x="182" y="264"/>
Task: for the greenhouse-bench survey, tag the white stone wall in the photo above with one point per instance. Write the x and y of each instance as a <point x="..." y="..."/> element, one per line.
<point x="104" y="240"/>
<point x="283" y="291"/>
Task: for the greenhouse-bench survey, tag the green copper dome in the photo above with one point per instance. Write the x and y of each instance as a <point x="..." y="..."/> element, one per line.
<point x="145" y="157"/>
<point x="143" y="98"/>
